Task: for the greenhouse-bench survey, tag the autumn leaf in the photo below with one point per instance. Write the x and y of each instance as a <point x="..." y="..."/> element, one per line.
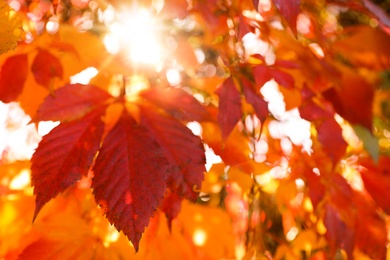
<point x="13" y="74"/>
<point x="229" y="107"/>
<point x="259" y="104"/>
<point x="171" y="206"/>
<point x="263" y="74"/>
<point x="289" y="9"/>
<point x="353" y="98"/>
<point x="376" y="180"/>
<point x="177" y="102"/>
<point x="70" y="102"/>
<point x="10" y="28"/>
<point x="331" y="138"/>
<point x="373" y="54"/>
<point x="45" y="68"/>
<point x="63" y="156"/>
<point x="338" y="233"/>
<point x="184" y="151"/>
<point x="371" y="234"/>
<point x="312" y="110"/>
<point x="130" y="175"/>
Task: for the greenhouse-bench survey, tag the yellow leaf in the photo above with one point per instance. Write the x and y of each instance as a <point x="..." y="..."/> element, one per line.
<point x="10" y="28"/>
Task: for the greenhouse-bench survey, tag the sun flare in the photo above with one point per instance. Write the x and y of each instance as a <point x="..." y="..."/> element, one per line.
<point x="135" y="34"/>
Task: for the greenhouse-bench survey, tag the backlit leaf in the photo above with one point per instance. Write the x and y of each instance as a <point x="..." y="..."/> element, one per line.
<point x="377" y="182"/>
<point x="70" y="102"/>
<point x="371" y="234"/>
<point x="338" y="234"/>
<point x="353" y="99"/>
<point x="130" y="175"/>
<point x="10" y="28"/>
<point x="264" y="73"/>
<point x="63" y="156"/>
<point x="289" y="9"/>
<point x="171" y="206"/>
<point x="13" y="74"/>
<point x="178" y="103"/>
<point x="259" y="104"/>
<point x="184" y="151"/>
<point x="45" y="68"/>
<point x="372" y="54"/>
<point x="229" y="107"/>
<point x="331" y="138"/>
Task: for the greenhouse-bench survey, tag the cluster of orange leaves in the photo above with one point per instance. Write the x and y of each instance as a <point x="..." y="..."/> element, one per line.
<point x="324" y="203"/>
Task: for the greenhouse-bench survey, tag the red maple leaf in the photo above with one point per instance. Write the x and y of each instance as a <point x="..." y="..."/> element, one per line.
<point x="45" y="67"/>
<point x="229" y="106"/>
<point x="63" y="156"/>
<point x="12" y="77"/>
<point x="130" y="175"/>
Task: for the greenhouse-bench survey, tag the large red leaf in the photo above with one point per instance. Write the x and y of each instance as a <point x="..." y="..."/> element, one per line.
<point x="377" y="182"/>
<point x="289" y="9"/>
<point x="130" y="175"/>
<point x="45" y="67"/>
<point x="63" y="156"/>
<point x="184" y="151"/>
<point x="12" y="77"/>
<point x="331" y="138"/>
<point x="229" y="107"/>
<point x="70" y="102"/>
<point x="178" y="103"/>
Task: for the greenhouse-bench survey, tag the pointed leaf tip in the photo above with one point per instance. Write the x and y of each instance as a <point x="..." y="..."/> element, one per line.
<point x="229" y="107"/>
<point x="130" y="175"/>
<point x="63" y="156"/>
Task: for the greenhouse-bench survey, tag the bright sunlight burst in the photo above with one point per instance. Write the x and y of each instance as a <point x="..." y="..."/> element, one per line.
<point x="135" y="33"/>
